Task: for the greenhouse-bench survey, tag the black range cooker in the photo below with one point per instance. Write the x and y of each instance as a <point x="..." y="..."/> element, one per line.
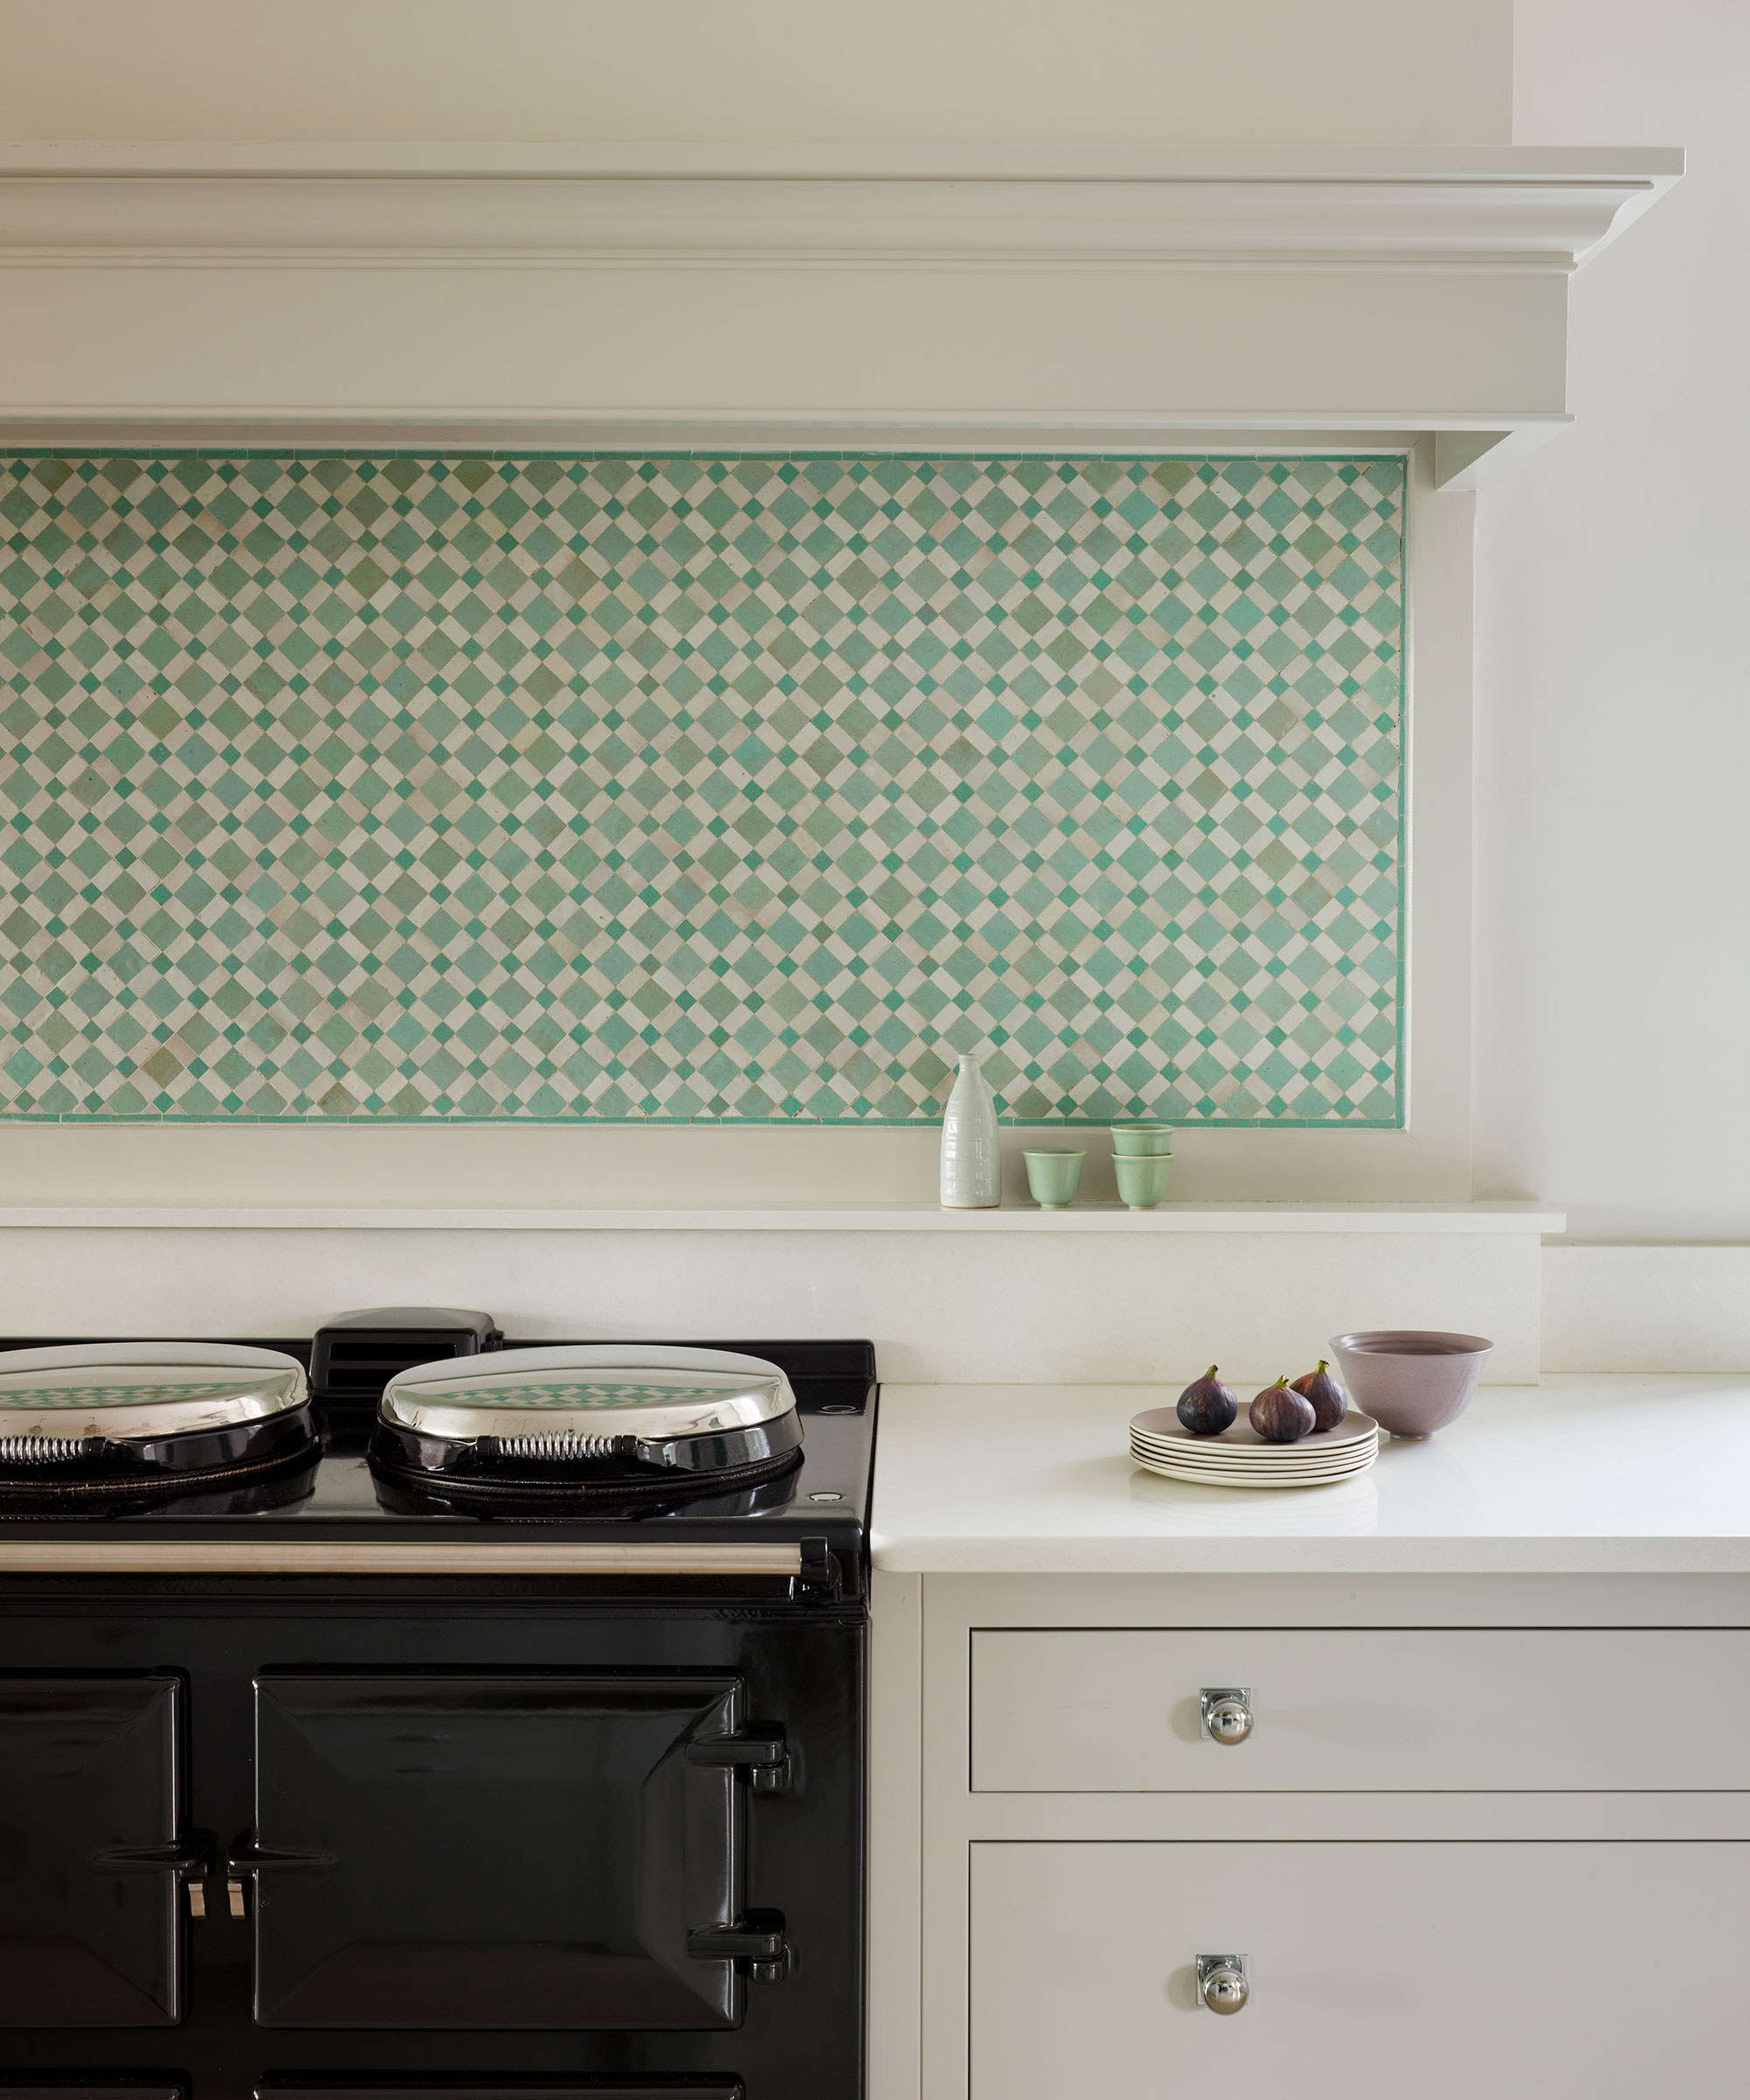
<point x="407" y="1710"/>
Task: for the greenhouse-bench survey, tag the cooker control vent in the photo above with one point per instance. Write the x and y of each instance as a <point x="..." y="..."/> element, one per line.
<point x="355" y="1354"/>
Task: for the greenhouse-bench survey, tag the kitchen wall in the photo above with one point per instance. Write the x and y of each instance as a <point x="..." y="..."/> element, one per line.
<point x="763" y="70"/>
<point x="1613" y="728"/>
<point x="1611" y="996"/>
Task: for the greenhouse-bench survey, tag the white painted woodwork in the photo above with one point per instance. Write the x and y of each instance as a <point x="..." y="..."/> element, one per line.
<point x="896" y="1835"/>
<point x="1378" y="1971"/>
<point x="1050" y="1932"/>
<point x="1481" y="208"/>
<point x="963" y="295"/>
<point x="1192" y="1599"/>
<point x="1362" y="1709"/>
<point x="1391" y="1219"/>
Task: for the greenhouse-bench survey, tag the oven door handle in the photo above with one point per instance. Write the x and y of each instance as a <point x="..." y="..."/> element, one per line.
<point x="250" y="1859"/>
<point x="758" y="1940"/>
<point x="188" y="1859"/>
<point x="765" y="1759"/>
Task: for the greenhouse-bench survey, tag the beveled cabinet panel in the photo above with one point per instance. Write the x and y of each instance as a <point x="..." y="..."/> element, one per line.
<point x="1376" y="1971"/>
<point x="1096" y="1709"/>
<point x="90" y="1935"/>
<point x="495" y="1850"/>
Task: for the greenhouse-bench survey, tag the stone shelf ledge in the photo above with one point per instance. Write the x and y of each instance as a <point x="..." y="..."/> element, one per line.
<point x="1380" y="1218"/>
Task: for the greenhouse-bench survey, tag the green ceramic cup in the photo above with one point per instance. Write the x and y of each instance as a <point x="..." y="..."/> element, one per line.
<point x="1142" y="1140"/>
<point x="1054" y="1178"/>
<point x="1142" y="1183"/>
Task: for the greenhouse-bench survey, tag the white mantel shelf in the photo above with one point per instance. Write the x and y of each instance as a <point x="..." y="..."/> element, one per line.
<point x="943" y="298"/>
<point x="1378" y="1218"/>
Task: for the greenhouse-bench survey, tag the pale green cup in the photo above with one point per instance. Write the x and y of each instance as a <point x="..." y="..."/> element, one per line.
<point x="1142" y="1183"/>
<point x="1142" y="1140"/>
<point x="1054" y="1178"/>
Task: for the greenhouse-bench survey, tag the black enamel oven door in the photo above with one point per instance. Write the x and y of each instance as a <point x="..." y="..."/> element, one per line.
<point x="514" y="1849"/>
<point x="90" y="1932"/>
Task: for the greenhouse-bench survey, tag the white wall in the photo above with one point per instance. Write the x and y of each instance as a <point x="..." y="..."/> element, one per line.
<point x="1289" y="71"/>
<point x="1613" y="732"/>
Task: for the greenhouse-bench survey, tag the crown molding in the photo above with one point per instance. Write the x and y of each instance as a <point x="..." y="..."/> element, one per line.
<point x="492" y="206"/>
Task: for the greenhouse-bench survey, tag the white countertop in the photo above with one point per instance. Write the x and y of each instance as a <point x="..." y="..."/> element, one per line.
<point x="1581" y="1474"/>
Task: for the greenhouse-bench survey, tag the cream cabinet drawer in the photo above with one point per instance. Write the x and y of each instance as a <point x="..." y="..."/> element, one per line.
<point x="1375" y="1971"/>
<point x="1096" y="1710"/>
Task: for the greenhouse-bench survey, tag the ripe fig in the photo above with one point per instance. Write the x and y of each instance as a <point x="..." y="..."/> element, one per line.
<point x="1330" y="1402"/>
<point x="1280" y="1415"/>
<point x="1207" y="1407"/>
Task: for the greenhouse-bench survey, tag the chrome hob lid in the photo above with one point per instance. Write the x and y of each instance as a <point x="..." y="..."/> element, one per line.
<point x="137" y="1391"/>
<point x="542" y="1400"/>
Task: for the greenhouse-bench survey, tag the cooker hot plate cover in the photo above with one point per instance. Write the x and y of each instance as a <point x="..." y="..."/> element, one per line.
<point x="146" y="1415"/>
<point x="613" y="1425"/>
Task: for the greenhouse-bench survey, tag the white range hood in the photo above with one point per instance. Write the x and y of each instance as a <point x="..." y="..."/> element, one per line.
<point x="1103" y="298"/>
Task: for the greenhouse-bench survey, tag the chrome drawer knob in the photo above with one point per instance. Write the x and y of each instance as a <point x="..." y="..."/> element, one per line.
<point x="1226" y="1712"/>
<point x="1222" y="1984"/>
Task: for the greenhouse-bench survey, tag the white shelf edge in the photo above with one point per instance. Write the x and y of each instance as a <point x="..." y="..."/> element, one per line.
<point x="439" y="159"/>
<point x="1456" y="1218"/>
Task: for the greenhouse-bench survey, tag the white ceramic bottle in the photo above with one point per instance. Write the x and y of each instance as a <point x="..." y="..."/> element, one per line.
<point x="971" y="1160"/>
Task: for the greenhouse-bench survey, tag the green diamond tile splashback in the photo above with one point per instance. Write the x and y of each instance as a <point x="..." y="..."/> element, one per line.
<point x="722" y="788"/>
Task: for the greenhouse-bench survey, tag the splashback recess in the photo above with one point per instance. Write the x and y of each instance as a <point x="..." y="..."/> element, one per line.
<point x="701" y="788"/>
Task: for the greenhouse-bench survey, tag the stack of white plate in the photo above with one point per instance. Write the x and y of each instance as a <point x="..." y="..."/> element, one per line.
<point x="1239" y="1458"/>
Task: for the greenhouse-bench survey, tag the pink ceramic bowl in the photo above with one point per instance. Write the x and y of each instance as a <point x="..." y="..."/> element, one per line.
<point x="1411" y="1380"/>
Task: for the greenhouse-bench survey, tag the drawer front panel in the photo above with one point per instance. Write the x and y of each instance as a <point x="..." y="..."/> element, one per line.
<point x="1376" y="1971"/>
<point x="1098" y="1710"/>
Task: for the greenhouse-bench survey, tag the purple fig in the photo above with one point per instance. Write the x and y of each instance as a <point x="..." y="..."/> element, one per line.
<point x="1207" y="1407"/>
<point x="1330" y="1402"/>
<point x="1280" y="1415"/>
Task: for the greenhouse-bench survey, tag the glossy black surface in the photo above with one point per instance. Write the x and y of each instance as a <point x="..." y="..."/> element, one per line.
<point x="353" y="1356"/>
<point x="338" y="1496"/>
<point x="88" y="1772"/>
<point x="123" y="1476"/>
<point x="589" y="1838"/>
<point x="798" y="1669"/>
<point x="580" y="1849"/>
<point x="81" y="2091"/>
<point x="615" y="2088"/>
